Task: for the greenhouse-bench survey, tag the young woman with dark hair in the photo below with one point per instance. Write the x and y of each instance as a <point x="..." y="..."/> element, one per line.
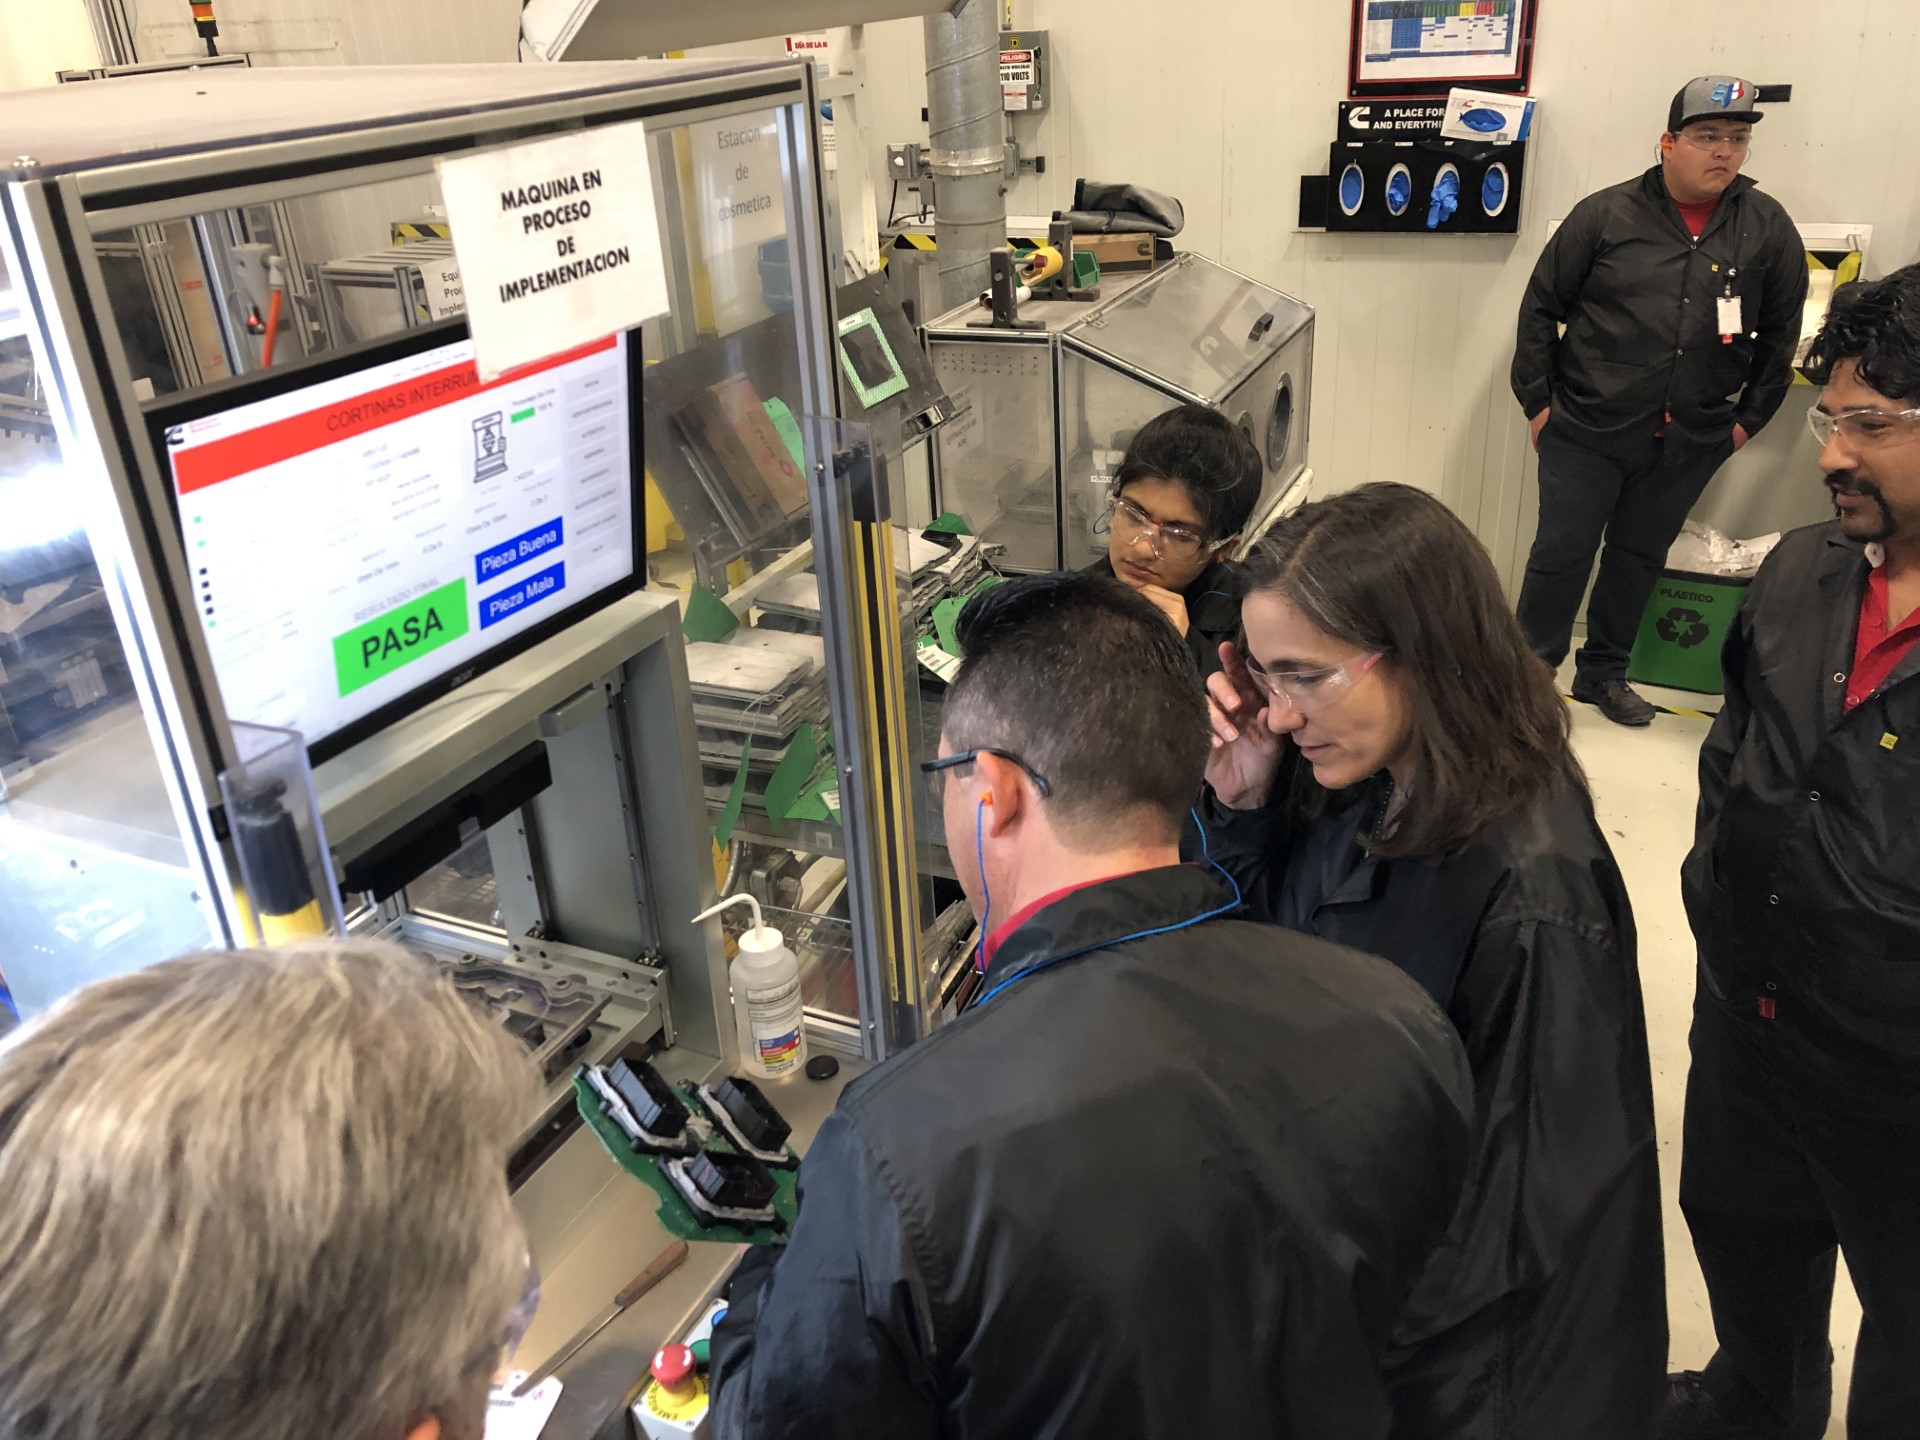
<point x="1392" y="770"/>
<point x="1181" y="500"/>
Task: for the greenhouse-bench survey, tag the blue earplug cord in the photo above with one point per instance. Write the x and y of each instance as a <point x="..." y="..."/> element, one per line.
<point x="1206" y="854"/>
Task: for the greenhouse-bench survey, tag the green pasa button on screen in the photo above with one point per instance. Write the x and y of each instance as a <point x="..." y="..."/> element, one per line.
<point x="385" y="643"/>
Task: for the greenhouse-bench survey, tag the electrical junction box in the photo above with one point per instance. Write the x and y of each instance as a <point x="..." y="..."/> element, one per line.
<point x="1023" y="70"/>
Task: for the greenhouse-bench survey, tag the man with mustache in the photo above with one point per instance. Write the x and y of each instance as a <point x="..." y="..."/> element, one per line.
<point x="1655" y="338"/>
<point x="1803" y="889"/>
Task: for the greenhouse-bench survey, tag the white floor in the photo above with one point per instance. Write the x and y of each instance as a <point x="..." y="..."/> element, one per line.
<point x="1644" y="789"/>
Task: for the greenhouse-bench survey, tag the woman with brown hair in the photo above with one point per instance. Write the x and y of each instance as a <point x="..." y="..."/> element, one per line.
<point x="1392" y="771"/>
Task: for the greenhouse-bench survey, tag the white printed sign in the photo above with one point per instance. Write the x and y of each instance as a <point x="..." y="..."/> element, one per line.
<point x="817" y="46"/>
<point x="558" y="243"/>
<point x="521" y="1417"/>
<point x="446" y="294"/>
<point x="741" y="205"/>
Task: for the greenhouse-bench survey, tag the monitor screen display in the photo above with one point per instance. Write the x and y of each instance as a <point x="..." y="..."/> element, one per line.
<point x="366" y="535"/>
<point x="868" y="359"/>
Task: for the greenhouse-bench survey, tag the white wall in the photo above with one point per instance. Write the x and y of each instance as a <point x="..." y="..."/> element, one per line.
<point x="1226" y="103"/>
<point x="40" y="38"/>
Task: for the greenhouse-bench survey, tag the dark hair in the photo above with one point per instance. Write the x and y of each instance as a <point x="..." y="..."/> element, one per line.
<point x="1088" y="683"/>
<point x="1875" y="324"/>
<point x="1205" y="453"/>
<point x="1388" y="568"/>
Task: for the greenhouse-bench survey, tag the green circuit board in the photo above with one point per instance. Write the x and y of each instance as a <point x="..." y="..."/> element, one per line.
<point x="676" y="1216"/>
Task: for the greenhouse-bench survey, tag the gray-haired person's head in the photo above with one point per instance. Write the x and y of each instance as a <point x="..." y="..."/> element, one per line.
<point x="257" y="1194"/>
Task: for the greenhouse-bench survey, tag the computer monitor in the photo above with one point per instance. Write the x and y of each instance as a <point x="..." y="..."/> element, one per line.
<point x="367" y="533"/>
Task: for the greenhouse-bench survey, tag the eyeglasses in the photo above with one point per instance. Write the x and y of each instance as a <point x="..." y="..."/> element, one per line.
<point x="513" y="1329"/>
<point x="1311" y="691"/>
<point x="1132" y="524"/>
<point x="1862" y="427"/>
<point x="967" y="757"/>
<point x="1715" y="140"/>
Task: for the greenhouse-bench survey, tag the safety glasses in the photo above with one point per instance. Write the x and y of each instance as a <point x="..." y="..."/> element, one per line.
<point x="1131" y="525"/>
<point x="1311" y="691"/>
<point x="967" y="757"/>
<point x="1862" y="427"/>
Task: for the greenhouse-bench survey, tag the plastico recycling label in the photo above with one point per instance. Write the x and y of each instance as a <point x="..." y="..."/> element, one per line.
<point x="385" y="643"/>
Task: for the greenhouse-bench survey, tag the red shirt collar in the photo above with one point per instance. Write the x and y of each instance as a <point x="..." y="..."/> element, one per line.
<point x="1027" y="912"/>
<point x="1878" y="648"/>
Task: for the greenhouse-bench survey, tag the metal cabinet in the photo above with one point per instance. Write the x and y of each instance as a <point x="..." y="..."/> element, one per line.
<point x="1046" y="414"/>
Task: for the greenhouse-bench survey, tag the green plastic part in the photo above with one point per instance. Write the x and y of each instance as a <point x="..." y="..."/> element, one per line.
<point x="676" y="1216"/>
<point x="736" y="796"/>
<point x="707" y="617"/>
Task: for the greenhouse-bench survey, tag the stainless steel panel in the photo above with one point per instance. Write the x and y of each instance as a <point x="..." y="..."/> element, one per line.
<point x="1196" y="325"/>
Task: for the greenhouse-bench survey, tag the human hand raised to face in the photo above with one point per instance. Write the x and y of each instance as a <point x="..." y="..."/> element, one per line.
<point x="1170" y="604"/>
<point x="1246" y="752"/>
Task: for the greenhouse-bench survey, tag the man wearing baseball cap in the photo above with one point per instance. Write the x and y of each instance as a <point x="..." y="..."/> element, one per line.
<point x="1680" y="293"/>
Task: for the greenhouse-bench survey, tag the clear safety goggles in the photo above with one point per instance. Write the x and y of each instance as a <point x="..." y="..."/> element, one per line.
<point x="1311" y="691"/>
<point x="1862" y="427"/>
<point x="1131" y="525"/>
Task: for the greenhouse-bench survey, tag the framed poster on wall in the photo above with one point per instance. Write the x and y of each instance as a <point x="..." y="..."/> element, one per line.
<point x="1426" y="47"/>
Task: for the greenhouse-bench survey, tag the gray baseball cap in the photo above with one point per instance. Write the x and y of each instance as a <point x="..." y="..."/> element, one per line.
<point x="1713" y="97"/>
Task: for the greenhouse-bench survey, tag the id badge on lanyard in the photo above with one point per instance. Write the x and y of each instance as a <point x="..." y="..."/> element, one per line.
<point x="1727" y="312"/>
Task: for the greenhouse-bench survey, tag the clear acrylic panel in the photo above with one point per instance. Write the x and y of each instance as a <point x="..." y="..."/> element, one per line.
<point x="1101" y="408"/>
<point x="730" y="535"/>
<point x="996" y="456"/>
<point x="93" y="872"/>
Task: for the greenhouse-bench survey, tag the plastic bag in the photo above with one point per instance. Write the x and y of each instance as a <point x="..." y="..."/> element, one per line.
<point x="1703" y="550"/>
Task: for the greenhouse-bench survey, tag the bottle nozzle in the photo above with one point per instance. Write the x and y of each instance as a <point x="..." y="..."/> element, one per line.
<point x="761" y="935"/>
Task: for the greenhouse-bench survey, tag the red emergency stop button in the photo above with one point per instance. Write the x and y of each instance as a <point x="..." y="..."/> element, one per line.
<point x="673" y="1368"/>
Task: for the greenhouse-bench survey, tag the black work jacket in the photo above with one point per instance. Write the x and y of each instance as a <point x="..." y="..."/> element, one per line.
<point x="1169" y="1187"/>
<point x="1803" y="886"/>
<point x="1546" y="1313"/>
<point x="1636" y="293"/>
<point x="1213" y="609"/>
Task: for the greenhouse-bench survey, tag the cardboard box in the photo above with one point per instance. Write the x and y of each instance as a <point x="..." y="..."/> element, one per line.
<point x="1118" y="252"/>
<point x="1486" y="116"/>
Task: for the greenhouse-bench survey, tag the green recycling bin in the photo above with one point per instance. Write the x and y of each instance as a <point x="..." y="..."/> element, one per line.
<point x="1687" y="618"/>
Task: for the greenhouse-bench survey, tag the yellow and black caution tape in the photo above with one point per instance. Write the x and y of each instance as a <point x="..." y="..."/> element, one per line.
<point x="1845" y="265"/>
<point x="405" y="230"/>
<point x="915" y="240"/>
<point x="1662" y="709"/>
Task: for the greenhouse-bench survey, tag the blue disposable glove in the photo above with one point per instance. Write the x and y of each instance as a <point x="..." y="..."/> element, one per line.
<point x="1399" y="192"/>
<point x="1353" y="188"/>
<point x="1446" y="199"/>
<point x="1493" y="191"/>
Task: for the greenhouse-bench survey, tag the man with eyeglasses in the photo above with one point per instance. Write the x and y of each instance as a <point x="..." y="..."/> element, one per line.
<point x="1803" y="889"/>
<point x="1171" y="1174"/>
<point x="1180" y="501"/>
<point x="1655" y="339"/>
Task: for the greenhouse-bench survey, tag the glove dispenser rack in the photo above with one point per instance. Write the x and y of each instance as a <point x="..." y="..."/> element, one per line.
<point x="1385" y="185"/>
<point x="1390" y="170"/>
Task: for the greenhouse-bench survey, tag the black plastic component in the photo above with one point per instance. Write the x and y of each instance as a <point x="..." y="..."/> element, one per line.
<point x="1772" y="94"/>
<point x="822" y="1067"/>
<point x="417" y="847"/>
<point x="731" y="1182"/>
<point x="752" y="1113"/>
<point x="651" y="1100"/>
<point x="265" y="831"/>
